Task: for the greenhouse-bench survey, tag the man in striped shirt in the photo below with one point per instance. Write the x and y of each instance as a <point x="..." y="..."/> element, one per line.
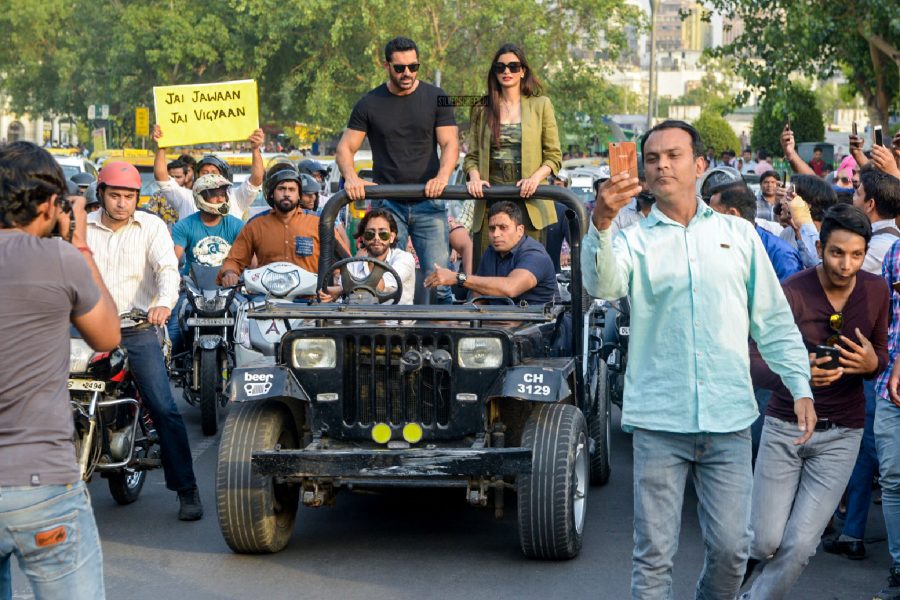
<point x="135" y="254"/>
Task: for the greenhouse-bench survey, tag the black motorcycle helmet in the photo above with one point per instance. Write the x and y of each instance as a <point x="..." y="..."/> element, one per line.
<point x="311" y="167"/>
<point x="275" y="175"/>
<point x="82" y="180"/>
<point x="221" y="165"/>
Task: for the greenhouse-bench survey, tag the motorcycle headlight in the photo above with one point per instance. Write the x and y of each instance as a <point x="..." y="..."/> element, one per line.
<point x="79" y="355"/>
<point x="314" y="353"/>
<point x="279" y="284"/>
<point x="479" y="353"/>
<point x="205" y="304"/>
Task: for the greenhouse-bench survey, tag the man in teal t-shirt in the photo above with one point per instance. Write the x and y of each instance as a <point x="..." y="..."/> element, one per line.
<point x="204" y="237"/>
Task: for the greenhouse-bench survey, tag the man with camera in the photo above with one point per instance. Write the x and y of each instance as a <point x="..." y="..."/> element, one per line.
<point x="842" y="314"/>
<point x="46" y="284"/>
<point x="136" y="257"/>
<point x="688" y="271"/>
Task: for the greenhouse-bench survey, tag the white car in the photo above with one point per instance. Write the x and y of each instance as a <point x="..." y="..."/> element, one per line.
<point x="73" y="165"/>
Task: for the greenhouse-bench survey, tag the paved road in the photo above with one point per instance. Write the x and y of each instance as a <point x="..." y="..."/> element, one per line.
<point x="399" y="545"/>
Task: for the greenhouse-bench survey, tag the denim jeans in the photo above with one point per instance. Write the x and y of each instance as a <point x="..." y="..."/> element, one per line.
<point x="176" y="336"/>
<point x="51" y="531"/>
<point x="887" y="440"/>
<point x="859" y="490"/>
<point x="795" y="491"/>
<point x="149" y="369"/>
<point x="426" y="222"/>
<point x="719" y="464"/>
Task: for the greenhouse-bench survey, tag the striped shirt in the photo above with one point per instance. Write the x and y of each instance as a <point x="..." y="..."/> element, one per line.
<point x="890" y="270"/>
<point x="137" y="262"/>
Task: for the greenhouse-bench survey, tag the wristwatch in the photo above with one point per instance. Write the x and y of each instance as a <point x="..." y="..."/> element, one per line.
<point x="461" y="279"/>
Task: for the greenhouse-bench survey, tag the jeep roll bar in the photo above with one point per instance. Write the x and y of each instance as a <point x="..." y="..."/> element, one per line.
<point x="575" y="214"/>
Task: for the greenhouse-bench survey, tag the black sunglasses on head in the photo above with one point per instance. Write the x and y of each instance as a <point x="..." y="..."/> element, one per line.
<point x="398" y="69"/>
<point x="369" y="235"/>
<point x="500" y="68"/>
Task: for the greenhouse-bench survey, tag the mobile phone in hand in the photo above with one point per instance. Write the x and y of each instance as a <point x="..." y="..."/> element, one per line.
<point x="855" y="132"/>
<point x="833" y="352"/>
<point x="878" y="136"/>
<point x="623" y="157"/>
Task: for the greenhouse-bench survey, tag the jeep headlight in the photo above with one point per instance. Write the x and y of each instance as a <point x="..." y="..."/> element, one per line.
<point x="314" y="353"/>
<point x="480" y="353"/>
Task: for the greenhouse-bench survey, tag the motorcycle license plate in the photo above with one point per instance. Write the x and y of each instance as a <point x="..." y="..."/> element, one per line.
<point x="86" y="385"/>
<point x="202" y="322"/>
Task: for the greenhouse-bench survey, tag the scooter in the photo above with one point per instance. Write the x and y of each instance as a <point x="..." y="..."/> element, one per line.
<point x="272" y="284"/>
<point x="114" y="435"/>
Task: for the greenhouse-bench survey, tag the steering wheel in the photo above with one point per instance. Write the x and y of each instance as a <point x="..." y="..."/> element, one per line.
<point x="351" y="284"/>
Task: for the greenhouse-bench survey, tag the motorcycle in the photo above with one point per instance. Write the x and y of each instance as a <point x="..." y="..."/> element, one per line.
<point x="616" y="331"/>
<point x="272" y="284"/>
<point x="114" y="435"/>
<point x="207" y="325"/>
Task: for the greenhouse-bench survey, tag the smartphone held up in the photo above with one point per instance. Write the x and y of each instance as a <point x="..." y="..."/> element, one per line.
<point x="623" y="158"/>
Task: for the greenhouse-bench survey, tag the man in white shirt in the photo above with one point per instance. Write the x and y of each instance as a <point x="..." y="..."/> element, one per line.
<point x="182" y="199"/>
<point x="879" y="197"/>
<point x="378" y="232"/>
<point x="136" y="257"/>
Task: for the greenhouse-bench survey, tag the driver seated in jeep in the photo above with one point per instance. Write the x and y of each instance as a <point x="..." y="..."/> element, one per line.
<point x="288" y="233"/>
<point x="378" y="233"/>
<point x="514" y="266"/>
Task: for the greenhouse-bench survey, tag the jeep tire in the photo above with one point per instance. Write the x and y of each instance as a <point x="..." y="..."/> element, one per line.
<point x="256" y="514"/>
<point x="599" y="425"/>
<point x="552" y="499"/>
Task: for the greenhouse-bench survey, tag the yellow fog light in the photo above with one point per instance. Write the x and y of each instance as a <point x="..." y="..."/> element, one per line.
<point x="412" y="432"/>
<point x="381" y="433"/>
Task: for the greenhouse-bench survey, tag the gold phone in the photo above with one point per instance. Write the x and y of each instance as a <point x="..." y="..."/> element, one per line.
<point x="623" y="157"/>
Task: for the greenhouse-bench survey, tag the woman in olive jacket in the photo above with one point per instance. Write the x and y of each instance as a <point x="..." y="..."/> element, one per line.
<point x="513" y="141"/>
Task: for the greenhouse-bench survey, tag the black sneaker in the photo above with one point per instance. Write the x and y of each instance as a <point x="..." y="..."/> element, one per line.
<point x="892" y="590"/>
<point x="191" y="508"/>
<point x="855" y="550"/>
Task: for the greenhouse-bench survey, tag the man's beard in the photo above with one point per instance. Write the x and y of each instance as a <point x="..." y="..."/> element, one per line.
<point x="370" y="251"/>
<point x="279" y="206"/>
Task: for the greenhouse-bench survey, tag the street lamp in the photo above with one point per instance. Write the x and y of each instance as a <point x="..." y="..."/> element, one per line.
<point x="651" y="87"/>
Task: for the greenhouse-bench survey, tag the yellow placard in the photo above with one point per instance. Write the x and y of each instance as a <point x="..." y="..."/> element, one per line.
<point x="205" y="113"/>
<point x="142" y="121"/>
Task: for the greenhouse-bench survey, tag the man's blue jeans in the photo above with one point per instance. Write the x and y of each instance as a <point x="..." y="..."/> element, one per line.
<point x="795" y="490"/>
<point x="719" y="464"/>
<point x="149" y="369"/>
<point x="426" y="222"/>
<point x="887" y="440"/>
<point x="51" y="531"/>
<point x="859" y="490"/>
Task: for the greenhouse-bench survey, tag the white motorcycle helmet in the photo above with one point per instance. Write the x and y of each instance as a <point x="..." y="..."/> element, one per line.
<point x="211" y="181"/>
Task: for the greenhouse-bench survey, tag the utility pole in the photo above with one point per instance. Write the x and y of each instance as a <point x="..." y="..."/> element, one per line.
<point x="651" y="87"/>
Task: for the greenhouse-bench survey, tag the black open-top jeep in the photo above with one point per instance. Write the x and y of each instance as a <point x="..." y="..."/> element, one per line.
<point x="483" y="396"/>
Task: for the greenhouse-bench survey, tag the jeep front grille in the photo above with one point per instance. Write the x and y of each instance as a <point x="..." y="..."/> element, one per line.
<point x="377" y="391"/>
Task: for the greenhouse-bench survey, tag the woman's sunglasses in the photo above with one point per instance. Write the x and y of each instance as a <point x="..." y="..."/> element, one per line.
<point x="398" y="69"/>
<point x="369" y="235"/>
<point x="500" y="68"/>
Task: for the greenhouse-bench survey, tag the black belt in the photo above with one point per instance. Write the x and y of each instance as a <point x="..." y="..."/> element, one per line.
<point x="825" y="425"/>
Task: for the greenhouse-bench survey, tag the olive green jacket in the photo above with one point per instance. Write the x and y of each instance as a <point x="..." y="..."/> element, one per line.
<point x="540" y="146"/>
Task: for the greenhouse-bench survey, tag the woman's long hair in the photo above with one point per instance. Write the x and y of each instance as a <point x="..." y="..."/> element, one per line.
<point x="530" y="86"/>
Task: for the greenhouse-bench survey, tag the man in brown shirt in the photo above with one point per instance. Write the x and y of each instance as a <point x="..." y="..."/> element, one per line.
<point x="797" y="487"/>
<point x="286" y="233"/>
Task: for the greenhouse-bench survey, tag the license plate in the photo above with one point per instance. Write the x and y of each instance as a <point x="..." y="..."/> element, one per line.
<point x="86" y="385"/>
<point x="624" y="330"/>
<point x="201" y="322"/>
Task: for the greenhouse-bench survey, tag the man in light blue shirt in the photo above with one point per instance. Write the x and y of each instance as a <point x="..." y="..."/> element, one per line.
<point x="700" y="284"/>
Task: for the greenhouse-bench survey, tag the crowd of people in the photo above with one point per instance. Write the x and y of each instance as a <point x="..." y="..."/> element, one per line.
<point x="803" y="269"/>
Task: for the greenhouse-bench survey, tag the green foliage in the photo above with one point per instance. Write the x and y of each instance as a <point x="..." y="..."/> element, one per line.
<point x="817" y="39"/>
<point x="794" y="104"/>
<point x="312" y="60"/>
<point x="716" y="132"/>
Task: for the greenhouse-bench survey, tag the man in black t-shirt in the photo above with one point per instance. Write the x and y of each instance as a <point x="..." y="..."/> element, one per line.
<point x="405" y="120"/>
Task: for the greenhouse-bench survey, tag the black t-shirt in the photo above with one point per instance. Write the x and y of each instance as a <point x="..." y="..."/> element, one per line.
<point x="401" y="131"/>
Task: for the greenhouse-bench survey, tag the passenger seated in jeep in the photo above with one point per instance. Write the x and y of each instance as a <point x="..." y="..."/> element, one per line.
<point x="514" y="266"/>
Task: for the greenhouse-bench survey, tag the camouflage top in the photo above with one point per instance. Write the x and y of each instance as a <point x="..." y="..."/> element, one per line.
<point x="506" y="161"/>
<point x="158" y="206"/>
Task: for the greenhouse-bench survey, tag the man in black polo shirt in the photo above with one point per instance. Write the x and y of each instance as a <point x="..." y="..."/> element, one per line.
<point x="514" y="266"/>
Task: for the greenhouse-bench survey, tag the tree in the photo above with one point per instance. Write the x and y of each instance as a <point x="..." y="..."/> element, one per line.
<point x="716" y="132"/>
<point x="794" y="104"/>
<point x="818" y="38"/>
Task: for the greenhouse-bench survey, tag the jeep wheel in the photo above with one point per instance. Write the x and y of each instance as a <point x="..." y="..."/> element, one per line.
<point x="599" y="424"/>
<point x="553" y="497"/>
<point x="256" y="514"/>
